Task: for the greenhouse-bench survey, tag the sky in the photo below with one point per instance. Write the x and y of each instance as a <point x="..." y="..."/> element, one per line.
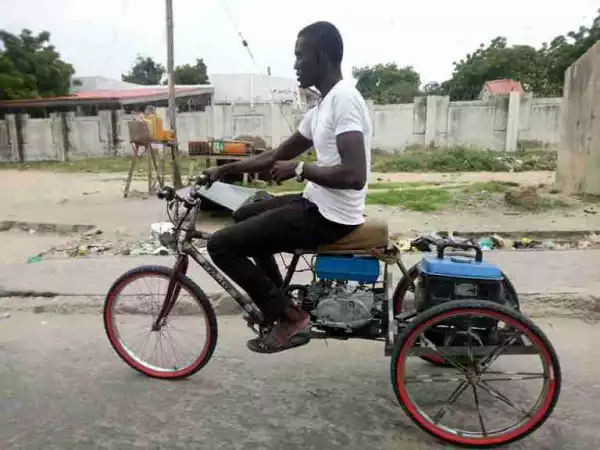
<point x="103" y="37"/>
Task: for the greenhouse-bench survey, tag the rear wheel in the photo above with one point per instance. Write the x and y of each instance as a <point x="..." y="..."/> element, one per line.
<point x="469" y="404"/>
<point x="183" y="342"/>
<point x="404" y="299"/>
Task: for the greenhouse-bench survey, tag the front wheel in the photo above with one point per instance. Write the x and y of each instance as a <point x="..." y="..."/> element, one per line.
<point x="180" y="344"/>
<point x="478" y="401"/>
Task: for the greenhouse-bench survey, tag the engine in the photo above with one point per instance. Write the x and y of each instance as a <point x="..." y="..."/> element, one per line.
<point x="344" y="306"/>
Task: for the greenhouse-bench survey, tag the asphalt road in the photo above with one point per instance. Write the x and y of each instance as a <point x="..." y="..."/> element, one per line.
<point x="63" y="387"/>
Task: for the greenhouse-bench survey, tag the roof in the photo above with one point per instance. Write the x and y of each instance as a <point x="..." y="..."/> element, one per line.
<point x="140" y="94"/>
<point x="504" y="87"/>
<point x="97" y="83"/>
<point x="252" y="88"/>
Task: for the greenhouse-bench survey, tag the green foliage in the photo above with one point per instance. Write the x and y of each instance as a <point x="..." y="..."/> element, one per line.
<point x="412" y="199"/>
<point x="520" y="62"/>
<point x="541" y="71"/>
<point x="145" y="71"/>
<point x="387" y="83"/>
<point x="30" y="67"/>
<point x="188" y="74"/>
<point x="461" y="159"/>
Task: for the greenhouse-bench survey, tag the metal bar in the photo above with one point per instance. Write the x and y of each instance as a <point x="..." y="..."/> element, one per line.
<point x="245" y="302"/>
<point x="290" y="272"/>
<point x="172" y="104"/>
<point x="477" y="351"/>
<point x="391" y="321"/>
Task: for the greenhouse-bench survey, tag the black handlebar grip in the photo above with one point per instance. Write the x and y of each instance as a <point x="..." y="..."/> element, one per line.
<point x="462" y="246"/>
<point x="166" y="193"/>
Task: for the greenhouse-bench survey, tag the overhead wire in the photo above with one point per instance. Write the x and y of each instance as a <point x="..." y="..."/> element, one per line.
<point x="256" y="65"/>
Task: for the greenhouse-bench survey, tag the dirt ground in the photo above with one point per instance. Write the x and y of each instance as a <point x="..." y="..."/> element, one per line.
<point x="97" y="200"/>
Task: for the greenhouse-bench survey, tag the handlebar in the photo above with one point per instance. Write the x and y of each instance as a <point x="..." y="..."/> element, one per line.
<point x="169" y="194"/>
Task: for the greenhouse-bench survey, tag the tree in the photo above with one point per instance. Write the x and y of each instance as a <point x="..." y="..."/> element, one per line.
<point x="520" y="62"/>
<point x="563" y="51"/>
<point x="387" y="83"/>
<point x="188" y="74"/>
<point x="541" y="71"/>
<point x="145" y="71"/>
<point x="30" y="67"/>
<point x="435" y="88"/>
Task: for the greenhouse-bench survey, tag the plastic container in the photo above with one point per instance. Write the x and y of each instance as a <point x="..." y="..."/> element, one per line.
<point x="347" y="268"/>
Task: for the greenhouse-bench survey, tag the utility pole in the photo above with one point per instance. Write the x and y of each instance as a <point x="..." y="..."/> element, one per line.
<point x="172" y="106"/>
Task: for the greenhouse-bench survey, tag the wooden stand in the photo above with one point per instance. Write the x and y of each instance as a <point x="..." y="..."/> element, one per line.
<point x="154" y="166"/>
<point x="143" y="142"/>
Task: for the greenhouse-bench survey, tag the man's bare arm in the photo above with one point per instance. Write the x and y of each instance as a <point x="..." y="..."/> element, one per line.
<point x="351" y="173"/>
<point x="293" y="146"/>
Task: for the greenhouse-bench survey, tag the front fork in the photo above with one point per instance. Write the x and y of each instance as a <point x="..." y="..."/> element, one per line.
<point x="173" y="290"/>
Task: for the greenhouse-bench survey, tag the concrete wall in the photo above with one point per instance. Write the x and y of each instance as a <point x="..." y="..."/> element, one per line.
<point x="578" y="165"/>
<point x="483" y="124"/>
<point x="5" y="147"/>
<point x="498" y="124"/>
<point x="42" y="139"/>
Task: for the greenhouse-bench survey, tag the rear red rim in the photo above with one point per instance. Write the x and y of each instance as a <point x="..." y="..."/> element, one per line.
<point x="450" y="437"/>
<point x="113" y="334"/>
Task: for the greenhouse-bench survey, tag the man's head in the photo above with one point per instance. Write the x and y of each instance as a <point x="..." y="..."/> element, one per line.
<point x="319" y="49"/>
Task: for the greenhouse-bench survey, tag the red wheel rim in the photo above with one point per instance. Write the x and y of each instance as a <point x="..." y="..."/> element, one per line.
<point x="451" y="437"/>
<point x="113" y="335"/>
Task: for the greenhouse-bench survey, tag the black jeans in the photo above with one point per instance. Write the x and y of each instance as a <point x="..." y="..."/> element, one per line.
<point x="262" y="229"/>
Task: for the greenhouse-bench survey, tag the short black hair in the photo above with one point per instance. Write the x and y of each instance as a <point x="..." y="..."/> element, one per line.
<point x="328" y="38"/>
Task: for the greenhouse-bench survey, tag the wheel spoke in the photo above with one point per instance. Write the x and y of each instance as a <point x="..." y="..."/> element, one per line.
<point x="436" y="378"/>
<point x="442" y="355"/>
<point x="470" y="342"/>
<point x="495" y="393"/>
<point x="512" y="376"/>
<point x="450" y="400"/>
<point x="489" y="359"/>
<point x="478" y="410"/>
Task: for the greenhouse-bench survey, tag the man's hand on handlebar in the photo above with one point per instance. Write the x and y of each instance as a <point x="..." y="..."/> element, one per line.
<point x="215" y="173"/>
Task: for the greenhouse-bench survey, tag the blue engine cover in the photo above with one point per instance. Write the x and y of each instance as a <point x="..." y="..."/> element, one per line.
<point x="456" y="267"/>
<point x="347" y="268"/>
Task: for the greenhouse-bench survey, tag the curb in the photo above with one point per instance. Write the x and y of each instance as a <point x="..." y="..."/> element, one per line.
<point x="42" y="227"/>
<point x="54" y="302"/>
<point x="572" y="305"/>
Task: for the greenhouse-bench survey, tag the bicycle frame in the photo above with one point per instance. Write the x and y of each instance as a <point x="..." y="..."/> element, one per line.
<point x="187" y="232"/>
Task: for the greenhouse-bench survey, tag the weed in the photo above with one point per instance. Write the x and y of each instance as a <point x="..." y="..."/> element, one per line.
<point x="412" y="199"/>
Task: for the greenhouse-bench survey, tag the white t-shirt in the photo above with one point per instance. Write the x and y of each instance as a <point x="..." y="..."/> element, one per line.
<point x="343" y="109"/>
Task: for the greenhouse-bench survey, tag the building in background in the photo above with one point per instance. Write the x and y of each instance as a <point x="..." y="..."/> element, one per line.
<point x="502" y="87"/>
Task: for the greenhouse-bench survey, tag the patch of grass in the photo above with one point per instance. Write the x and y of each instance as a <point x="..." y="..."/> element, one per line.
<point x="589" y="198"/>
<point x="498" y="187"/>
<point x="412" y="199"/>
<point x="398" y="185"/>
<point x="461" y="159"/>
<point x="111" y="164"/>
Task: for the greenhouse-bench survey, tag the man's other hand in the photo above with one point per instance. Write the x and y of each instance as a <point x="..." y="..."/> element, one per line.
<point x="283" y="170"/>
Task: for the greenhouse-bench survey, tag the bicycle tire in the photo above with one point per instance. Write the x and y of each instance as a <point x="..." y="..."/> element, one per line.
<point x="474" y="305"/>
<point x="198" y="295"/>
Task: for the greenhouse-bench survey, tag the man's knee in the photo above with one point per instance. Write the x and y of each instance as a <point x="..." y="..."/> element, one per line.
<point x="217" y="244"/>
<point x="239" y="215"/>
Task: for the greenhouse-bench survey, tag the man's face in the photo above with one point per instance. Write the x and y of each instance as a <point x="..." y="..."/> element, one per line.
<point x="307" y="63"/>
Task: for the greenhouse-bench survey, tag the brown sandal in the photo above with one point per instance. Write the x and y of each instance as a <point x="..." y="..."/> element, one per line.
<point x="288" y="333"/>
